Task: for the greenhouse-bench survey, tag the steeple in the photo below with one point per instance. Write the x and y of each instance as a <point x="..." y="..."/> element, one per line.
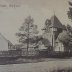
<point x="55" y="22"/>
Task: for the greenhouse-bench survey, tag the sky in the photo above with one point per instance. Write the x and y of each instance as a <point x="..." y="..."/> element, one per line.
<point x="12" y="17"/>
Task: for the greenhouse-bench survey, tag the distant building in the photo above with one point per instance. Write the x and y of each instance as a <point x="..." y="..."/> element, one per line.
<point x="59" y="46"/>
<point x="5" y="44"/>
<point x="53" y="29"/>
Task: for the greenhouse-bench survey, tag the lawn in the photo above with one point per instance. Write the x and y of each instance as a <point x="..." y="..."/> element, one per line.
<point x="50" y="65"/>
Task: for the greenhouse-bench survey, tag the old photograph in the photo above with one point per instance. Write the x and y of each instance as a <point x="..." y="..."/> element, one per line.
<point x="35" y="35"/>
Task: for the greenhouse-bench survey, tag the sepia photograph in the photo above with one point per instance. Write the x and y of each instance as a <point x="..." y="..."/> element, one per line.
<point x="35" y="35"/>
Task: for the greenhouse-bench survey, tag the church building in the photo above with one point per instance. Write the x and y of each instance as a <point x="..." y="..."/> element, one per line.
<point x="53" y="28"/>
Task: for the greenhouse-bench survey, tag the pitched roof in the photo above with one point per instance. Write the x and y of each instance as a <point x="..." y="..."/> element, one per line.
<point x="4" y="43"/>
<point x="5" y="39"/>
<point x="56" y="23"/>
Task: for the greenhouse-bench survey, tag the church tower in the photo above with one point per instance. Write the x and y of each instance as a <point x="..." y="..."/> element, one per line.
<point x="52" y="29"/>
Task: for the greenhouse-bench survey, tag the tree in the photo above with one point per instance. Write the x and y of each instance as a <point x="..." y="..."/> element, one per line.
<point x="47" y="24"/>
<point x="69" y="29"/>
<point x="70" y="11"/>
<point x="66" y="37"/>
<point x="27" y="31"/>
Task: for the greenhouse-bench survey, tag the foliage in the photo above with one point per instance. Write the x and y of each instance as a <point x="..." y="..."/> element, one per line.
<point x="27" y="30"/>
<point x="70" y="11"/>
<point x="47" y="24"/>
<point x="69" y="29"/>
<point x="66" y="36"/>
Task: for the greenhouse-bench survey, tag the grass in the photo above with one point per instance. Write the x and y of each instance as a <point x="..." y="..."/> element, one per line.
<point x="67" y="69"/>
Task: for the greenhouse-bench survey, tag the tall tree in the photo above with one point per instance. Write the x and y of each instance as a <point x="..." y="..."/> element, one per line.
<point x="27" y="31"/>
<point x="70" y="11"/>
